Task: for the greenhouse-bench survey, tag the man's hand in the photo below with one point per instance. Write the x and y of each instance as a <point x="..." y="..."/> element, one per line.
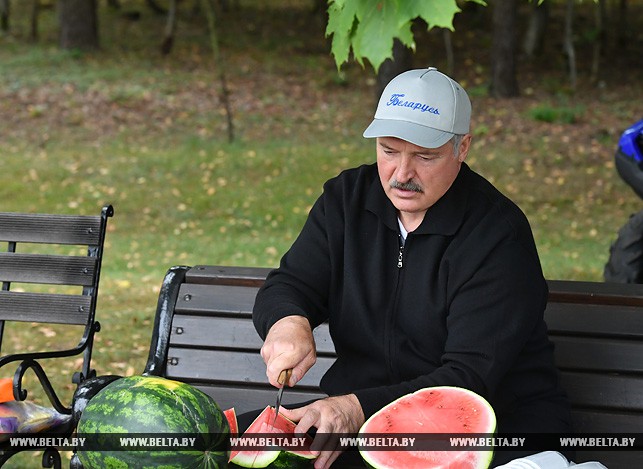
<point x="289" y="344"/>
<point x="332" y="417"/>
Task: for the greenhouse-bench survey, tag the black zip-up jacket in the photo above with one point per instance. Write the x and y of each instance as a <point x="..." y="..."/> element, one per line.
<point x="460" y="304"/>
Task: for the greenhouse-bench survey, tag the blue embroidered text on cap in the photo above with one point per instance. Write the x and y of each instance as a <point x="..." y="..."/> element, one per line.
<point x="396" y="101"/>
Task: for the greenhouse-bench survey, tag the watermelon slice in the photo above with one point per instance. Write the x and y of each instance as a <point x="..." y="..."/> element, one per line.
<point x="231" y="417"/>
<point x="438" y="410"/>
<point x="292" y="455"/>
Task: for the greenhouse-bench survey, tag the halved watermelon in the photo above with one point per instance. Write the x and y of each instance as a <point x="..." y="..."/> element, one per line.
<point x="294" y="453"/>
<point x="439" y="410"/>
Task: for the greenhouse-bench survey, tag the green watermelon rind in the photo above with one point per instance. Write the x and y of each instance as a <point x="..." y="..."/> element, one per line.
<point x="485" y="457"/>
<point x="198" y="413"/>
<point x="158" y="460"/>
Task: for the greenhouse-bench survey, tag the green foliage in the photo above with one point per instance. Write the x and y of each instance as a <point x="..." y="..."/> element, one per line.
<point x="552" y="114"/>
<point x="369" y="27"/>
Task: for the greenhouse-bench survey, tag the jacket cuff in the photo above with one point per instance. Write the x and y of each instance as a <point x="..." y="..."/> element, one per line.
<point x="264" y="326"/>
<point x="372" y="400"/>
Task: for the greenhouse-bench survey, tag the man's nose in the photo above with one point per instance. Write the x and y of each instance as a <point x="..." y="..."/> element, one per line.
<point x="405" y="170"/>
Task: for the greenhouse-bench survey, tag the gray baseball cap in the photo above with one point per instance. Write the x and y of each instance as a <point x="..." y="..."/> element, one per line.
<point x="424" y="107"/>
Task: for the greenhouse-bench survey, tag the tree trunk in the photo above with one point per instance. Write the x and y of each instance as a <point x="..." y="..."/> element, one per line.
<point x="535" y="35"/>
<point x="78" y="22"/>
<point x="156" y="8"/>
<point x="390" y="68"/>
<point x="170" y="29"/>
<point x="224" y="93"/>
<point x="568" y="43"/>
<point x="599" y="42"/>
<point x="448" y="49"/>
<point x="4" y="15"/>
<point x="35" y="11"/>
<point x="503" y="54"/>
<point x="621" y="30"/>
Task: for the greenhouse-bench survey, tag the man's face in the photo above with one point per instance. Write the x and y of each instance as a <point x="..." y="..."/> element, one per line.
<point x="414" y="178"/>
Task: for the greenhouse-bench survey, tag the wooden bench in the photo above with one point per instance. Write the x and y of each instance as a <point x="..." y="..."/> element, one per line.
<point x="49" y="271"/>
<point x="203" y="334"/>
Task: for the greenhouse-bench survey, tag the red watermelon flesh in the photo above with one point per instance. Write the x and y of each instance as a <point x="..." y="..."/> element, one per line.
<point x="263" y="427"/>
<point x="438" y="410"/>
<point x="231" y="417"/>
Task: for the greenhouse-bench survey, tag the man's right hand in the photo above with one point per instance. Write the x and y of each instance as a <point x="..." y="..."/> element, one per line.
<point x="289" y="344"/>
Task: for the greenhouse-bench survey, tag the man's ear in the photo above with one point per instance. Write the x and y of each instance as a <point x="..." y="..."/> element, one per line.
<point x="463" y="150"/>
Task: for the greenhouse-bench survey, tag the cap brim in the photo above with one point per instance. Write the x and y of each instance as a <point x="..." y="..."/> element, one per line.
<point x="420" y="135"/>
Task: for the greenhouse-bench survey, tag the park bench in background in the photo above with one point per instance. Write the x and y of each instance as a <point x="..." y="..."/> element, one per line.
<point x="203" y="334"/>
<point x="50" y="270"/>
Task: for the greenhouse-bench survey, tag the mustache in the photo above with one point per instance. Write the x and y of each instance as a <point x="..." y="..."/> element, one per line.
<point x="406" y="186"/>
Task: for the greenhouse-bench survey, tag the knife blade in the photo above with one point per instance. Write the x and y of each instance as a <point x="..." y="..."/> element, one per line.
<point x="283" y="379"/>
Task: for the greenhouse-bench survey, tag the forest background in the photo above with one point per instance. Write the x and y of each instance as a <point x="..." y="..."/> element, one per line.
<point x="148" y="132"/>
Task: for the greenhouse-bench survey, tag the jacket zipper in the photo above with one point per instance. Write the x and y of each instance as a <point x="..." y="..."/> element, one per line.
<point x="391" y="319"/>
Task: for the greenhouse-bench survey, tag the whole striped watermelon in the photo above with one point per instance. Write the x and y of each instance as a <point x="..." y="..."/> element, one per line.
<point x="151" y="422"/>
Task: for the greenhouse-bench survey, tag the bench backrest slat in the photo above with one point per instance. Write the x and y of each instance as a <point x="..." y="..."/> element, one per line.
<point x="238" y="368"/>
<point x="54" y="229"/>
<point x="573" y="291"/>
<point x="256" y="398"/>
<point x="44" y="307"/>
<point x="219" y="275"/>
<point x="224" y="299"/>
<point x="604" y="355"/>
<point x="604" y="391"/>
<point x="47" y="269"/>
<point x="594" y="320"/>
<point x="232" y="333"/>
<point x="601" y="422"/>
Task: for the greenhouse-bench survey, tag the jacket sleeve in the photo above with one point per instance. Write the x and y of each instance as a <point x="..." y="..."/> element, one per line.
<point x="300" y="285"/>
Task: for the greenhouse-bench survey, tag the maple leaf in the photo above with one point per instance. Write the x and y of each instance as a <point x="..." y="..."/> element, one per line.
<point x="369" y="28"/>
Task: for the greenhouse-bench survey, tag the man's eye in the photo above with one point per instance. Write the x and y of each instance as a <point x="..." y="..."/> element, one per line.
<point x="428" y="158"/>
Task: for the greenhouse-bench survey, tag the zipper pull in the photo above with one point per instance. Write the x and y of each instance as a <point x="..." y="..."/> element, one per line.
<point x="399" y="257"/>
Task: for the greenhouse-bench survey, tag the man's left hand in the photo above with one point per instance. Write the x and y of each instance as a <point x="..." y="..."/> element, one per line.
<point x="333" y="416"/>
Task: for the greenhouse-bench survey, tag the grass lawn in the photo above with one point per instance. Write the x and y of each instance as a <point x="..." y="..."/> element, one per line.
<point x="147" y="133"/>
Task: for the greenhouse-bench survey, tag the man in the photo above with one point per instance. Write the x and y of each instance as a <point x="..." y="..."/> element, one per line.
<point x="426" y="274"/>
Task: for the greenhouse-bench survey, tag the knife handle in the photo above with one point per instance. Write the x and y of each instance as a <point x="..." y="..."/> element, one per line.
<point x="284" y="376"/>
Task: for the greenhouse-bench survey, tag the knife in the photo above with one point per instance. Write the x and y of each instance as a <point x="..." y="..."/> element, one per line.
<point x="283" y="379"/>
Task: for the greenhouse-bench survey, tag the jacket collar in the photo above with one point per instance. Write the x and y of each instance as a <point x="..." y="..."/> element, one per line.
<point x="443" y="218"/>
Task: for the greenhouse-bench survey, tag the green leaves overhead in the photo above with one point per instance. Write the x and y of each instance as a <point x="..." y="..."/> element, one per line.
<point x="368" y="27"/>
